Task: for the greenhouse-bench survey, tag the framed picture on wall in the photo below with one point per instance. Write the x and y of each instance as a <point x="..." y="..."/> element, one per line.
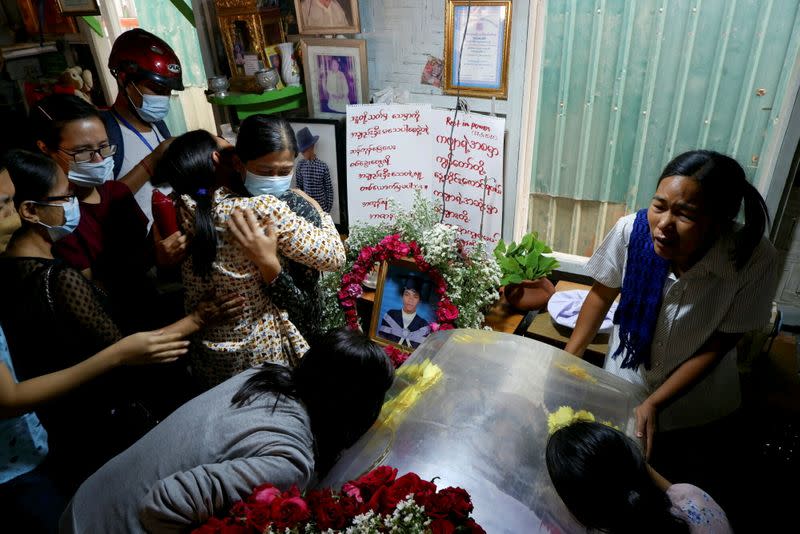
<point x="335" y="75"/>
<point x="78" y="7"/>
<point x="329" y="149"/>
<point x="326" y="17"/>
<point x="476" y="41"/>
<point x="405" y="305"/>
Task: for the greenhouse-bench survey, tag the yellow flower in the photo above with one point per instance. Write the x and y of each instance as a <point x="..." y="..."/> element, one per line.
<point x="566" y="415"/>
<point x="578" y="372"/>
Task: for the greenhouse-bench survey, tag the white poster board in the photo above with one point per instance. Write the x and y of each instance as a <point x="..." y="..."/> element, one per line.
<point x="396" y="149"/>
<point x="471" y="194"/>
<point x="383" y="159"/>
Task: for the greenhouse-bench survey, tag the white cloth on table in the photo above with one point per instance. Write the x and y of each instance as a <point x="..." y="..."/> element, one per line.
<point x="564" y="307"/>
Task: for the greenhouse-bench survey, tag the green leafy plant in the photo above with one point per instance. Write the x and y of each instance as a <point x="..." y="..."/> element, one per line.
<point x="524" y="261"/>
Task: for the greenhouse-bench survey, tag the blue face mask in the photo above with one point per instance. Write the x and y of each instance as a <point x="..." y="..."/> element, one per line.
<point x="72" y="216"/>
<point x="91" y="174"/>
<point x="154" y="107"/>
<point x="267" y="185"/>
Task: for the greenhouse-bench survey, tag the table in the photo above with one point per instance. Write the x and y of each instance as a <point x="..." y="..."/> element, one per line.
<point x="543" y="328"/>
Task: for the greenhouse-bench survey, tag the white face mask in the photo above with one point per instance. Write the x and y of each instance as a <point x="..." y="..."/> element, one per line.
<point x="72" y="217"/>
<point x="154" y="107"/>
<point x="267" y="185"/>
<point x="91" y="174"/>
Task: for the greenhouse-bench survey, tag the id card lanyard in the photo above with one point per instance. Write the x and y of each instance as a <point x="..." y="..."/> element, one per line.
<point x="130" y="126"/>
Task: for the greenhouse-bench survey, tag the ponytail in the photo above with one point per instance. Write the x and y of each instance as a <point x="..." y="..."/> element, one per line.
<point x="188" y="166"/>
<point x="725" y="187"/>
<point x="204" y="241"/>
<point x="756" y="220"/>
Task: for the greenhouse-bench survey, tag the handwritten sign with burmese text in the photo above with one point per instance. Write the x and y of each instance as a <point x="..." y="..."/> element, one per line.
<point x="394" y="150"/>
<point x="388" y="157"/>
<point x="471" y="195"/>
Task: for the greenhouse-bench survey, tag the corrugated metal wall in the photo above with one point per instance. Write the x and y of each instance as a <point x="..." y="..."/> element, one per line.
<point x="627" y="85"/>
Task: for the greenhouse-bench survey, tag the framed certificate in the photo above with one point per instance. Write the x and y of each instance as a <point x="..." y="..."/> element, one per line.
<point x="477" y="36"/>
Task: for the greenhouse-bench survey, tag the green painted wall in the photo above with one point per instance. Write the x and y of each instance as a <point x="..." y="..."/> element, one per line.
<point x="627" y="85"/>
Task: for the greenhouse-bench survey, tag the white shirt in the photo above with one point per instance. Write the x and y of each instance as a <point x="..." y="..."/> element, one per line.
<point x="712" y="296"/>
<point x="407" y="318"/>
<point x="316" y="15"/>
<point x="136" y="151"/>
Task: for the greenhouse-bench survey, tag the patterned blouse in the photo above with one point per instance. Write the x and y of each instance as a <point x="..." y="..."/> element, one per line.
<point x="264" y="332"/>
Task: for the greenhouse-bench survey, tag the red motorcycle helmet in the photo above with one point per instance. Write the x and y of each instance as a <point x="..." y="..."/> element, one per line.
<point x="140" y="55"/>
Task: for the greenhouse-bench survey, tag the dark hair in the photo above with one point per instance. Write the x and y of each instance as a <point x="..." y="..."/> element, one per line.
<point x="33" y="174"/>
<point x="187" y="165"/>
<point x="724" y="187"/>
<point x="342" y="381"/>
<point x="260" y="135"/>
<point x="49" y="116"/>
<point x="602" y="477"/>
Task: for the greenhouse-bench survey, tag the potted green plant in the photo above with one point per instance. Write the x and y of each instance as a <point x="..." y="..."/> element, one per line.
<point x="525" y="269"/>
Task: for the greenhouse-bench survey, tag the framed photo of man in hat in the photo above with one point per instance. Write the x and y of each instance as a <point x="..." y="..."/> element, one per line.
<point x="405" y="305"/>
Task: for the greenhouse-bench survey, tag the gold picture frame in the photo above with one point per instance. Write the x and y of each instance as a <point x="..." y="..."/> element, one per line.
<point x="309" y="24"/>
<point x="392" y="273"/>
<point x="484" y="73"/>
<point x="350" y="56"/>
<point x="78" y="7"/>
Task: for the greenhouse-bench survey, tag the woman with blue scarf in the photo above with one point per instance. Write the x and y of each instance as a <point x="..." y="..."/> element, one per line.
<point x="691" y="281"/>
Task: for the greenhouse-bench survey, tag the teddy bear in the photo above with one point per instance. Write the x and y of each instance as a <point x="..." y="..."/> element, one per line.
<point x="80" y="80"/>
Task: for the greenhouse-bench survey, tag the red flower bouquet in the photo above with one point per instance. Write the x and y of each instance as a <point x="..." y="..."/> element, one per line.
<point x="376" y="502"/>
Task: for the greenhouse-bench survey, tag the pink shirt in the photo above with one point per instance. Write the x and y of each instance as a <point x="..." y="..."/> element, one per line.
<point x="698" y="509"/>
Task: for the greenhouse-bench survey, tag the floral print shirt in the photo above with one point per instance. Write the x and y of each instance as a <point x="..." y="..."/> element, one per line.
<point x="263" y="333"/>
<point x="698" y="509"/>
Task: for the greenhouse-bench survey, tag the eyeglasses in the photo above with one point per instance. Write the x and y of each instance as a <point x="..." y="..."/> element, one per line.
<point x="61" y="198"/>
<point x="85" y="156"/>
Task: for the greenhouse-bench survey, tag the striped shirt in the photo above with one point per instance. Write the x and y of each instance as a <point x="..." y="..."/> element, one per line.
<point x="712" y="296"/>
<point x="314" y="178"/>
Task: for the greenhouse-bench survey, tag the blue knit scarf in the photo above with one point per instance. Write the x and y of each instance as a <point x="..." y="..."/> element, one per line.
<point x="642" y="290"/>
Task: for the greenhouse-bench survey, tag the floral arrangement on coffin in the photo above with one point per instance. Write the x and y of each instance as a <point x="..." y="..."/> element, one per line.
<point x="566" y="415"/>
<point x="377" y="502"/>
<point x="467" y="281"/>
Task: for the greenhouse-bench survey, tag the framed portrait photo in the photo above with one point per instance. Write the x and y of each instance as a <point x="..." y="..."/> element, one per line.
<point x="327" y="17"/>
<point x="78" y="7"/>
<point x="477" y="36"/>
<point x="335" y="75"/>
<point x="327" y="136"/>
<point x="404" y="307"/>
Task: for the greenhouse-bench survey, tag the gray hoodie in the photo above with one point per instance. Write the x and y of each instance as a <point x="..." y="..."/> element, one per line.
<point x="196" y="463"/>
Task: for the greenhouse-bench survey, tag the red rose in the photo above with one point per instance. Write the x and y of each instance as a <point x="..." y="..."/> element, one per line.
<point x="350" y="507"/>
<point x="264" y="494"/>
<point x="436" y="505"/>
<point x="446" y="311"/>
<point x="460" y="503"/>
<point x="326" y="510"/>
<point x="359" y="271"/>
<point x="351" y="490"/>
<point x="378" y="501"/>
<point x="405" y="485"/>
<point x="365" y="255"/>
<point x="446" y="326"/>
<point x="442" y="526"/>
<point x="258" y="517"/>
<point x="289" y="512"/>
<point x="474" y="528"/>
<point x="369" y="483"/>
<point x="238" y="509"/>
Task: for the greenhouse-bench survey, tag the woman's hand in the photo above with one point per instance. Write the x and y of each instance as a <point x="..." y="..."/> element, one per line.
<point x="215" y="310"/>
<point x="170" y="251"/>
<point x="149" y="347"/>
<point x="260" y="243"/>
<point x="646" y="415"/>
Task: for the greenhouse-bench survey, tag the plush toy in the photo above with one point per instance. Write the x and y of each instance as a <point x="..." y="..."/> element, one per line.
<point x="80" y="80"/>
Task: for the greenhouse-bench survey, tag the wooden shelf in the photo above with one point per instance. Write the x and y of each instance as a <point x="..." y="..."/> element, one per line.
<point x="247" y="104"/>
